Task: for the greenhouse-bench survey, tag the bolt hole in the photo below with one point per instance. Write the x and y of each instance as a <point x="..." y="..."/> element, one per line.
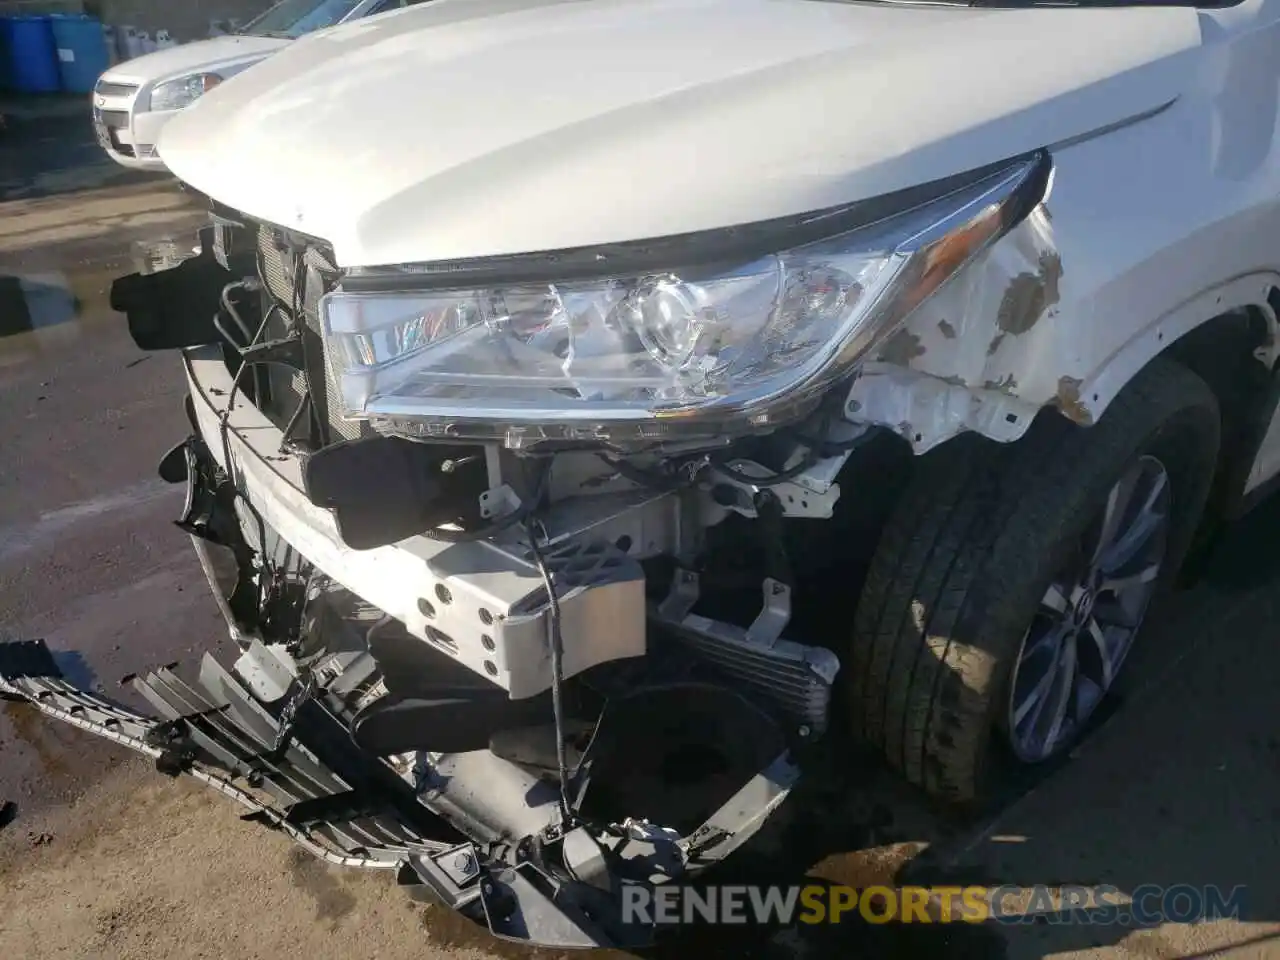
<point x="1095" y="398"/>
<point x="1011" y="417"/>
<point x="486" y="641"/>
<point x="485" y="616"/>
<point x="426" y="609"/>
<point x="491" y="668"/>
<point x="442" y="592"/>
<point x="804" y="504"/>
<point x="623" y="543"/>
<point x="918" y="438"/>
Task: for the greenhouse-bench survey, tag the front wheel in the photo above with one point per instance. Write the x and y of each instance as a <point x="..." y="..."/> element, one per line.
<point x="1011" y="582"/>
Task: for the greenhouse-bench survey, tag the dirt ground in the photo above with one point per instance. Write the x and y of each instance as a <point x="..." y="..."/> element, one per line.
<point x="102" y="858"/>
<point x="142" y="867"/>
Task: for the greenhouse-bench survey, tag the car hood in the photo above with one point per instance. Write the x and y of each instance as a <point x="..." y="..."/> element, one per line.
<point x="202" y="55"/>
<point x="467" y="128"/>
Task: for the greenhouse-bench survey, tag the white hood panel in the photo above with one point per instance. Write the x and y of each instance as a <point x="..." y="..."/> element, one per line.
<point x="205" y="56"/>
<point x="479" y="127"/>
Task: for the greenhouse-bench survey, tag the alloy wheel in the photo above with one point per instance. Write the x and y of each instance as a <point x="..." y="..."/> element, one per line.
<point x="1087" y="620"/>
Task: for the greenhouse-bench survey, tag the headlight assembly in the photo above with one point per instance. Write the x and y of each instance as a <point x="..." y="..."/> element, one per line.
<point x="176" y="94"/>
<point x="717" y="342"/>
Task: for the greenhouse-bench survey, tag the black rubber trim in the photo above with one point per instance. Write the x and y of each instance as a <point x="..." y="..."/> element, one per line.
<point x="703" y="249"/>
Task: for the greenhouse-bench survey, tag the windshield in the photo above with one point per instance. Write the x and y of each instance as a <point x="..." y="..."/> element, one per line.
<point x="293" y="18"/>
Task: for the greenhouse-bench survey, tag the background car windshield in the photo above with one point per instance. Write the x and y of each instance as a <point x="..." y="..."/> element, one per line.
<point x="293" y="18"/>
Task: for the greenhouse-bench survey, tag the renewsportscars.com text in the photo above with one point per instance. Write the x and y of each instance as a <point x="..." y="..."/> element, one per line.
<point x="1145" y="906"/>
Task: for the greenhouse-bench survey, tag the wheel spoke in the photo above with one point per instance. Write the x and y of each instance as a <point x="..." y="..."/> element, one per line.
<point x="1066" y="686"/>
<point x="1113" y="516"/>
<point x="1119" y="584"/>
<point x="1112" y="612"/>
<point x="1050" y="639"/>
<point x="1033" y="703"/>
<point x="1134" y="538"/>
<point x="1055" y="600"/>
<point x="1106" y="659"/>
<point x="1047" y="700"/>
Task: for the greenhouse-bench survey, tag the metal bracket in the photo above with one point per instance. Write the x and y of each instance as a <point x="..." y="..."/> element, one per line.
<point x="287" y="351"/>
<point x="268" y="670"/>
<point x="683" y="597"/>
<point x="452" y="873"/>
<point x="797" y="677"/>
<point x="774" y="616"/>
<point x="498" y="502"/>
<point x="797" y="499"/>
<point x="765" y="630"/>
<point x="461" y="864"/>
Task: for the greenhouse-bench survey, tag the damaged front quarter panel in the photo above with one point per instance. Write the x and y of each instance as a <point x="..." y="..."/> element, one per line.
<point x="983" y="354"/>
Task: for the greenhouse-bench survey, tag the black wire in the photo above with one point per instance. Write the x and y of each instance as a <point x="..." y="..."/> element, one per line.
<point x="224" y="430"/>
<point x="778" y="477"/>
<point x="303" y="403"/>
<point x="644" y="478"/>
<point x="557" y="674"/>
<point x="831" y="448"/>
<point x="817" y="450"/>
<point x="244" y="328"/>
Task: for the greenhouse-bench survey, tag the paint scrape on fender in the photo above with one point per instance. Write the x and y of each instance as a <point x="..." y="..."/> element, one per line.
<point x="1069" y="403"/>
<point x="1030" y="296"/>
<point x="901" y="348"/>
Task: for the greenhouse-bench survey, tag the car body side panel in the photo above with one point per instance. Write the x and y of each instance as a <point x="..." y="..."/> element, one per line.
<point x="1148" y="230"/>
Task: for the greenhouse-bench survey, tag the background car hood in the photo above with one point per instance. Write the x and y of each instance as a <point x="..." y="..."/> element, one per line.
<point x="201" y="55"/>
<point x="480" y="127"/>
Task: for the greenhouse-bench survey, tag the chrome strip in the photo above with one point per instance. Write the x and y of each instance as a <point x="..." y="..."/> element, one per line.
<point x="1112" y="127"/>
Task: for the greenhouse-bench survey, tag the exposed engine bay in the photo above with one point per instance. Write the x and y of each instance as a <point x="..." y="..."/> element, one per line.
<point x="523" y="687"/>
<point x="525" y="659"/>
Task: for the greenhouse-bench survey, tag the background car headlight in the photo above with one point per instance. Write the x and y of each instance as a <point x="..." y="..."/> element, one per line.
<point x="674" y="352"/>
<point x="176" y="94"/>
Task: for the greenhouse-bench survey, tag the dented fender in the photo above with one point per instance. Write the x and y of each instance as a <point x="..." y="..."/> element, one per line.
<point x="995" y="346"/>
<point x="1150" y="228"/>
<point x="980" y="354"/>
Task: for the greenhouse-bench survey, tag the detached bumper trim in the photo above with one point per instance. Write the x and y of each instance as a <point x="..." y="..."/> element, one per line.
<point x="28" y="673"/>
<point x="354" y="812"/>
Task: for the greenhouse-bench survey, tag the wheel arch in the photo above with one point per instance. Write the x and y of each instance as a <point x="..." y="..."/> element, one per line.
<point x="1180" y="332"/>
<point x="1228" y="336"/>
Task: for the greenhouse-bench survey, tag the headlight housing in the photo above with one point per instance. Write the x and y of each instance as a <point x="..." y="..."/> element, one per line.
<point x="731" y="342"/>
<point x="176" y="94"/>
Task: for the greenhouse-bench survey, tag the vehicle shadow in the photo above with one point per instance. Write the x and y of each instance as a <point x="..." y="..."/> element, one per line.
<point x="1178" y="787"/>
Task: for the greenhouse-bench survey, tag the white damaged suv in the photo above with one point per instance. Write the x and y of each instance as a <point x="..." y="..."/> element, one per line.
<point x="595" y="405"/>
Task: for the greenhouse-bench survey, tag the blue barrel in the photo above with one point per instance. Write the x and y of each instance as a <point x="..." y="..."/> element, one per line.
<point x="82" y="51"/>
<point x="34" y="57"/>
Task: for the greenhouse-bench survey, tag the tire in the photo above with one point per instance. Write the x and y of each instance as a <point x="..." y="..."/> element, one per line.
<point x="972" y="547"/>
